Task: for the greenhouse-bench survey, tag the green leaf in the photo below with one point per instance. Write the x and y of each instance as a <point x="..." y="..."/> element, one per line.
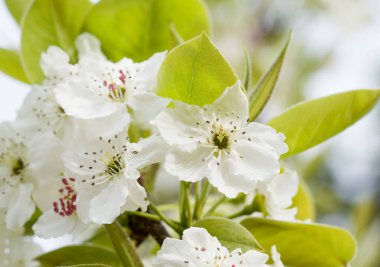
<point x="74" y="255"/>
<point x="138" y="28"/>
<point x="304" y="202"/>
<point x="259" y="96"/>
<point x="304" y="244"/>
<point x="309" y="123"/>
<point x="123" y="245"/>
<point x="89" y="265"/>
<point x="232" y="235"/>
<point x="248" y="70"/>
<point x="10" y="64"/>
<point x="49" y="23"/>
<point x="195" y="73"/>
<point x="17" y="8"/>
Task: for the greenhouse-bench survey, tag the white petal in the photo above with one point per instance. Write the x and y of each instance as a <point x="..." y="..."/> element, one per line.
<point x="249" y="259"/>
<point x="137" y="197"/>
<point x="258" y="161"/>
<point x="146" y="106"/>
<point x="276" y="257"/>
<point x="199" y="237"/>
<point x="145" y="78"/>
<point x="152" y="150"/>
<point x="283" y="188"/>
<point x="88" y="46"/>
<point x="54" y="62"/>
<point x="266" y="135"/>
<point x="21" y="207"/>
<point x="190" y="166"/>
<point x="79" y="101"/>
<point x="51" y="225"/>
<point x="232" y="102"/>
<point x="106" y="206"/>
<point x="184" y="125"/>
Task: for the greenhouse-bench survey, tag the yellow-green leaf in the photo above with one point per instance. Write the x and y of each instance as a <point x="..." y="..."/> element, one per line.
<point x="10" y="64"/>
<point x="309" y="123"/>
<point x="49" y="23"/>
<point x="195" y="73"/>
<point x="138" y="28"/>
<point x="260" y="95"/>
<point x="17" y="8"/>
<point x="304" y="202"/>
<point x="232" y="235"/>
<point x="304" y="244"/>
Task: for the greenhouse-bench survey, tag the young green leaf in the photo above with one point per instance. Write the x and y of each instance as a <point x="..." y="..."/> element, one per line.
<point x="49" y="23"/>
<point x="195" y="73"/>
<point x="232" y="235"/>
<point x="259" y="96"/>
<point x="309" y="123"/>
<point x="138" y="28"/>
<point x="304" y="203"/>
<point x="17" y="8"/>
<point x="123" y="245"/>
<point x="75" y="255"/>
<point x="10" y="64"/>
<point x="248" y="70"/>
<point x="89" y="265"/>
<point x="304" y="244"/>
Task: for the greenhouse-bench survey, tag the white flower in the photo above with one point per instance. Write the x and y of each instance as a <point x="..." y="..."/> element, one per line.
<point x="57" y="201"/>
<point x="104" y="88"/>
<point x="219" y="143"/>
<point x="199" y="249"/>
<point x="15" y="249"/>
<point x="276" y="258"/>
<point x="16" y="178"/>
<point x="279" y="192"/>
<point x="106" y="176"/>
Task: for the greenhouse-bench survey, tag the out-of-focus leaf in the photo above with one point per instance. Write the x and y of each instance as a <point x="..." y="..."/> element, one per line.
<point x="261" y="93"/>
<point x="232" y="235"/>
<point x="10" y="64"/>
<point x="309" y="123"/>
<point x="138" y="28"/>
<point x="49" y="23"/>
<point x="17" y="8"/>
<point x="195" y="73"/>
<point x="304" y="244"/>
<point x="304" y="203"/>
<point x="89" y="265"/>
<point x="74" y="255"/>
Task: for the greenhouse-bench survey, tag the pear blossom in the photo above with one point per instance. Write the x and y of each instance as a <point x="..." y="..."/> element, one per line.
<point x="279" y="193"/>
<point x="218" y="142"/>
<point x="57" y="201"/>
<point x="16" y="177"/>
<point x="106" y="173"/>
<point x="15" y="249"/>
<point x="104" y="88"/>
<point x="199" y="249"/>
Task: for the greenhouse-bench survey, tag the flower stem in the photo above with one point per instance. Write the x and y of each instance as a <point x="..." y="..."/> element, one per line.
<point x="123" y="245"/>
<point x="184" y="204"/>
<point x="167" y="220"/>
<point x="215" y="206"/>
<point x="144" y="215"/>
<point x="199" y="208"/>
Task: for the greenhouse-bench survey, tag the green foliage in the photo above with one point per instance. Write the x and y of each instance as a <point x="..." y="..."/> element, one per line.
<point x="89" y="265"/>
<point x="304" y="244"/>
<point x="79" y="255"/>
<point x="309" y="123"/>
<point x="304" y="202"/>
<point x="260" y="95"/>
<point x="17" y="8"/>
<point x="229" y="233"/>
<point x="49" y="23"/>
<point x="248" y="70"/>
<point x="195" y="72"/>
<point x="138" y="28"/>
<point x="123" y="245"/>
<point x="10" y="64"/>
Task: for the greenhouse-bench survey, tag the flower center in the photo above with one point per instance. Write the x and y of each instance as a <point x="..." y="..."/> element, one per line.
<point x="18" y="167"/>
<point x="66" y="206"/>
<point x="221" y="140"/>
<point x="117" y="91"/>
<point x="116" y="165"/>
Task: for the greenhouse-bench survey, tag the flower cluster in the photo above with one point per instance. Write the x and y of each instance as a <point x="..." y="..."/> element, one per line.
<point x="71" y="152"/>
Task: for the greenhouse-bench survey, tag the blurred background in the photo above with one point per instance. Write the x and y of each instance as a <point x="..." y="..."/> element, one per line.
<point x="335" y="47"/>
